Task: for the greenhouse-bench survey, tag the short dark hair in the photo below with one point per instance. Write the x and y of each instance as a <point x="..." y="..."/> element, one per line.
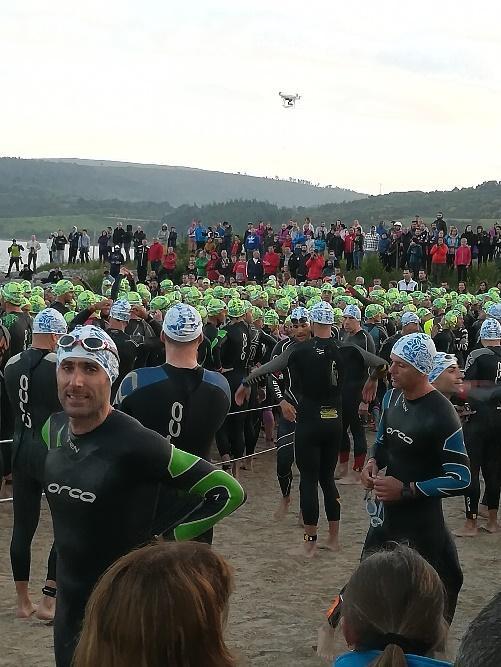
<point x="481" y="643"/>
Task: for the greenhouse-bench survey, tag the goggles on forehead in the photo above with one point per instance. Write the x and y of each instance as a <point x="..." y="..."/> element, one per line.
<point x="300" y="320"/>
<point x="90" y="343"/>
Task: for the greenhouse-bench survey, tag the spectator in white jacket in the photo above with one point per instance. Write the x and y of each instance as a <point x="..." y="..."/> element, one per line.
<point x="33" y="247"/>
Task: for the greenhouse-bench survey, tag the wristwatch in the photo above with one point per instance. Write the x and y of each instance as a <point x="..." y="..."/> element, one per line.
<point x="406" y="493"/>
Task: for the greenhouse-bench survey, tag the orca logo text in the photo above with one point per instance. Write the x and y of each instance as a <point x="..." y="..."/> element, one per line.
<point x="78" y="494"/>
<point x="399" y="434"/>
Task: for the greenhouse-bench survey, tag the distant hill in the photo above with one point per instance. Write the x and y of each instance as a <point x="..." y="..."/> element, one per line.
<point x="105" y="180"/>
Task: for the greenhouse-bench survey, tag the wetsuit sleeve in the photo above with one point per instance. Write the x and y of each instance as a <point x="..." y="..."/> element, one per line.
<point x="80" y="319"/>
<point x="275" y="365"/>
<point x="456" y="475"/>
<point x="220" y="494"/>
<point x="115" y="288"/>
<point x="369" y="359"/>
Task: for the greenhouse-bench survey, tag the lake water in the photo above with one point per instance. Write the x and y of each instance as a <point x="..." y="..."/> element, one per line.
<point x="43" y="255"/>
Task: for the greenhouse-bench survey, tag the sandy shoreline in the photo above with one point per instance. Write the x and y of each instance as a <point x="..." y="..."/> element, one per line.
<point x="279" y="600"/>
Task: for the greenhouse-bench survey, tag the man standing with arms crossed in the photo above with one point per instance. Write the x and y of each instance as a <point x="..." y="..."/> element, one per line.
<point x="420" y="443"/>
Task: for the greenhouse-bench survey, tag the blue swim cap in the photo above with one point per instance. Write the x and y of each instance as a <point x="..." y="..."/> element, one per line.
<point x="441" y="362"/>
<point x="182" y="322"/>
<point x="322" y="313"/>
<point x="490" y="330"/>
<point x="416" y="349"/>
<point x="49" y="321"/>
<point x="409" y="318"/>
<point x="352" y="311"/>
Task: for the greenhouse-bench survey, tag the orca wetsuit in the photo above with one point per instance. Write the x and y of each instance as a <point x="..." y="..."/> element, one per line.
<point x="30" y="382"/>
<point x="102" y="488"/>
<point x="421" y="441"/>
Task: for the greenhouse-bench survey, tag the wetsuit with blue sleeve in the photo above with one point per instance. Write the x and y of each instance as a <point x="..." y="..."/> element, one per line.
<point x="421" y="442"/>
<point x="102" y="488"/>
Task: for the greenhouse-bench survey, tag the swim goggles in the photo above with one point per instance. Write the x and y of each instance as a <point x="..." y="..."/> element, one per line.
<point x="300" y="320"/>
<point x="374" y="509"/>
<point x="90" y="343"/>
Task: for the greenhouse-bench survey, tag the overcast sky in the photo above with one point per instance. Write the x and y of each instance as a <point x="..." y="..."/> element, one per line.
<point x="406" y="95"/>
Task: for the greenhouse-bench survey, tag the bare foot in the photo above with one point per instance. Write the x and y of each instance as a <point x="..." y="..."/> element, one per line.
<point x="26" y="609"/>
<point x="332" y="544"/>
<point x="46" y="609"/>
<point x="282" y="509"/>
<point x="483" y="511"/>
<point x="492" y="527"/>
<point x="470" y="529"/>
<point x="341" y="470"/>
<point x="310" y="549"/>
<point x="352" y="478"/>
<point x="247" y="464"/>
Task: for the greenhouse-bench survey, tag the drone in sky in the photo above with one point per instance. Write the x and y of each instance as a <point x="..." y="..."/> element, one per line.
<point x="289" y="100"/>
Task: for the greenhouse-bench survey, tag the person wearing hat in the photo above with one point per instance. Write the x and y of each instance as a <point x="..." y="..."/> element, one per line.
<point x="410" y="323"/>
<point x="64" y="291"/>
<point x="321" y="366"/>
<point x="30" y="382"/>
<point x="446" y="376"/>
<point x="103" y="475"/>
<point x="14" y="319"/>
<point x="481" y="430"/>
<point x="127" y="348"/>
<point x="352" y="398"/>
<point x="420" y="442"/>
<point x="216" y="316"/>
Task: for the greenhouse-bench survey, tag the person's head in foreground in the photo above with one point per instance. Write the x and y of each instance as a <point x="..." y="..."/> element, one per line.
<point x="481" y="643"/>
<point x="446" y="376"/>
<point x="165" y="604"/>
<point x="393" y="607"/>
<point x="87" y="366"/>
<point x="412" y="361"/>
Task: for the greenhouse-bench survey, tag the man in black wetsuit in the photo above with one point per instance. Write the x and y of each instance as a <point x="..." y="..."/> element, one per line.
<point x="482" y="429"/>
<point x="216" y="315"/>
<point x="127" y="348"/>
<point x="64" y="291"/>
<point x="30" y="381"/>
<point x="234" y="361"/>
<point x="352" y="397"/>
<point x="284" y="391"/>
<point x="180" y="400"/>
<point x="321" y="365"/>
<point x="420" y="443"/>
<point x="103" y="474"/>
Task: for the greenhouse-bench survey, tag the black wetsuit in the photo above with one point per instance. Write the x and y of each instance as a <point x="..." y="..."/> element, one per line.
<point x="30" y="381"/>
<point x="234" y="361"/>
<point x="320" y="366"/>
<point x="421" y="441"/>
<point x="102" y="488"/>
<point x="281" y="387"/>
<point x="352" y="397"/>
<point x="186" y="405"/>
<point x="482" y="430"/>
<point x="19" y="326"/>
<point x="127" y="353"/>
<point x="213" y="360"/>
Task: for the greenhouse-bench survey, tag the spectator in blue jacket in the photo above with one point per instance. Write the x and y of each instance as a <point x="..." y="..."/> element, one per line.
<point x="200" y="235"/>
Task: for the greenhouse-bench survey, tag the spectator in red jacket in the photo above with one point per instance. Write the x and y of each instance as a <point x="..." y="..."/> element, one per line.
<point x="315" y="265"/>
<point x="236" y="246"/>
<point x="438" y="254"/>
<point x="168" y="264"/>
<point x="462" y="259"/>
<point x="155" y="255"/>
<point x="349" y="243"/>
<point x="212" y="272"/>
<point x="240" y="269"/>
<point x="271" y="262"/>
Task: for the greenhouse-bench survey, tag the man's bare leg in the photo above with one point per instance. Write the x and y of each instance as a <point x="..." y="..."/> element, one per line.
<point x="283" y="508"/>
<point x="333" y="540"/>
<point x="492" y="522"/>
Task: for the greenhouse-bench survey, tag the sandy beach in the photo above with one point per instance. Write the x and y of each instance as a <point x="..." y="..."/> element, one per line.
<point x="279" y="599"/>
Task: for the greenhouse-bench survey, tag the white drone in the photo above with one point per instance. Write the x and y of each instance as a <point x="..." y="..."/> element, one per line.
<point x="289" y="100"/>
